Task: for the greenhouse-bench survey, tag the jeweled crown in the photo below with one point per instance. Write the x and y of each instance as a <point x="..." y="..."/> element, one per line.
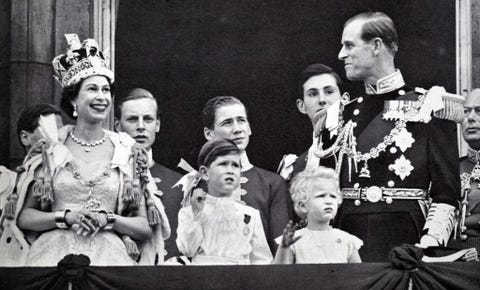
<point x="82" y="60"/>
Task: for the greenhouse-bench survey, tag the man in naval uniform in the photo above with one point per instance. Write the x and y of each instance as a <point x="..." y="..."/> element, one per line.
<point x="400" y="149"/>
<point x="226" y="117"/>
<point x="470" y="171"/>
<point x="138" y="116"/>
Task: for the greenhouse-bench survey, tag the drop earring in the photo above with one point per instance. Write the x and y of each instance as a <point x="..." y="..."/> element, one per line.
<point x="75" y="114"/>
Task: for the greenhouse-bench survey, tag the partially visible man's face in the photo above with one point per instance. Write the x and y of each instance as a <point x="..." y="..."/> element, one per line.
<point x="319" y="93"/>
<point x="231" y="123"/>
<point x="139" y="120"/>
<point x="30" y="138"/>
<point x="471" y="121"/>
<point x="356" y="53"/>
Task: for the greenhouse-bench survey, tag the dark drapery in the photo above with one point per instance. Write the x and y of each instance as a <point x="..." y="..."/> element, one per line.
<point x="459" y="275"/>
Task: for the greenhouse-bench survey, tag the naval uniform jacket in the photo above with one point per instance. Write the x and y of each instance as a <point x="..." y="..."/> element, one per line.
<point x="172" y="199"/>
<point x="434" y="157"/>
<point x="473" y="207"/>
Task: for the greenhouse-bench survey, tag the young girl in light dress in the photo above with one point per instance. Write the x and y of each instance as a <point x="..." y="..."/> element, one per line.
<point x="316" y="196"/>
<point x="216" y="229"/>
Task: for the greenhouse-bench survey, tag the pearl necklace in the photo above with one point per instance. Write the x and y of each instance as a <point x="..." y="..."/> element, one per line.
<point x="86" y="146"/>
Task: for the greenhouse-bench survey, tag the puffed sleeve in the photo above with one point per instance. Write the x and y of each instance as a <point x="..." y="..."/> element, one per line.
<point x="443" y="161"/>
<point x="260" y="251"/>
<point x="189" y="232"/>
<point x="354" y="244"/>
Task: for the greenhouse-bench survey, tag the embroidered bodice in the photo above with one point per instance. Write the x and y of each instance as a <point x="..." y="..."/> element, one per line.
<point x="80" y="184"/>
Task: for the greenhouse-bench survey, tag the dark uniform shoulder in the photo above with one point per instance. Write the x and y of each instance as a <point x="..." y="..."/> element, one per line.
<point x="267" y="173"/>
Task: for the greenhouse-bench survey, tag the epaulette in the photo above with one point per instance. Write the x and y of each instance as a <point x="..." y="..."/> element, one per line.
<point x="443" y="105"/>
<point x="435" y="102"/>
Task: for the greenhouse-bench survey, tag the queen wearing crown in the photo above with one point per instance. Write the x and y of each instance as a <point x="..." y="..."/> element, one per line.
<point x="89" y="191"/>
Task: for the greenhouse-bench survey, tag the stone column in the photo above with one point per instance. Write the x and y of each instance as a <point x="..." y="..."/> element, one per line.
<point x="475" y="43"/>
<point x="37" y="35"/>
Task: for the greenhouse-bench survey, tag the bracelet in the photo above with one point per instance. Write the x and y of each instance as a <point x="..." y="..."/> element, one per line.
<point x="110" y="219"/>
<point x="60" y="219"/>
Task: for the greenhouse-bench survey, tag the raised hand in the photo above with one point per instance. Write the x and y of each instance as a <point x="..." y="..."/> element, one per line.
<point x="288" y="237"/>
<point x="198" y="200"/>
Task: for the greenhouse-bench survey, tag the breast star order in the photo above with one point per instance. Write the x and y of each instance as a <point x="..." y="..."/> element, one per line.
<point x="404" y="139"/>
<point x="402" y="167"/>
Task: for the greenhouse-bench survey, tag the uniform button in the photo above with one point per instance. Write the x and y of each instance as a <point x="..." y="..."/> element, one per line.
<point x="354" y="124"/>
<point x="388" y="200"/>
<point x="391" y="183"/>
<point x="359" y="100"/>
<point x="356" y="112"/>
<point x="393" y="150"/>
<point x="356" y="185"/>
<point x="357" y="202"/>
<point x="401" y="92"/>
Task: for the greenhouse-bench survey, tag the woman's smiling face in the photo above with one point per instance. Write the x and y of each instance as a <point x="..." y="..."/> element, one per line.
<point x="94" y="99"/>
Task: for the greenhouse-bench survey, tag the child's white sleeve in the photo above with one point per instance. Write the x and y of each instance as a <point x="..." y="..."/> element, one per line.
<point x="260" y="251"/>
<point x="189" y="232"/>
<point x="355" y="244"/>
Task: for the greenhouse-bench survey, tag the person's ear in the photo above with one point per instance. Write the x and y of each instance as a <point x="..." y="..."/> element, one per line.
<point x="118" y="128"/>
<point x="303" y="208"/>
<point x="378" y="45"/>
<point x="157" y="125"/>
<point x="25" y="138"/>
<point x="208" y="133"/>
<point x="301" y="106"/>
<point x="203" y="170"/>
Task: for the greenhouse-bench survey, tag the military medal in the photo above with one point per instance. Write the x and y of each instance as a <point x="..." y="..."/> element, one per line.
<point x="402" y="167"/>
<point x="475" y="174"/>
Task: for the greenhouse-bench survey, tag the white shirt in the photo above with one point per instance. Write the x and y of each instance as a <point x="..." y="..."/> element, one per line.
<point x="224" y="232"/>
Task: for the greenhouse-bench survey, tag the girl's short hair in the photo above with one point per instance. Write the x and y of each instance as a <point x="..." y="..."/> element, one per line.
<point x="70" y="93"/>
<point x="302" y="185"/>
<point x="216" y="148"/>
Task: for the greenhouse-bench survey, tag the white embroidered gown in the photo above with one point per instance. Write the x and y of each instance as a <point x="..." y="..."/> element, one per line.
<point x="72" y="186"/>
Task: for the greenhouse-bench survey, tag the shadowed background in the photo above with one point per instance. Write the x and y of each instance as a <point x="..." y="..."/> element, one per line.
<point x="186" y="52"/>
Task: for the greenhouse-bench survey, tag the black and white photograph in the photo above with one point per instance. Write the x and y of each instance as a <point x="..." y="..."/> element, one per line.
<point x="240" y="144"/>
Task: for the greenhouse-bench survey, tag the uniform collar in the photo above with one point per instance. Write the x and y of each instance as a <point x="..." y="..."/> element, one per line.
<point x="387" y="84"/>
<point x="473" y="155"/>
